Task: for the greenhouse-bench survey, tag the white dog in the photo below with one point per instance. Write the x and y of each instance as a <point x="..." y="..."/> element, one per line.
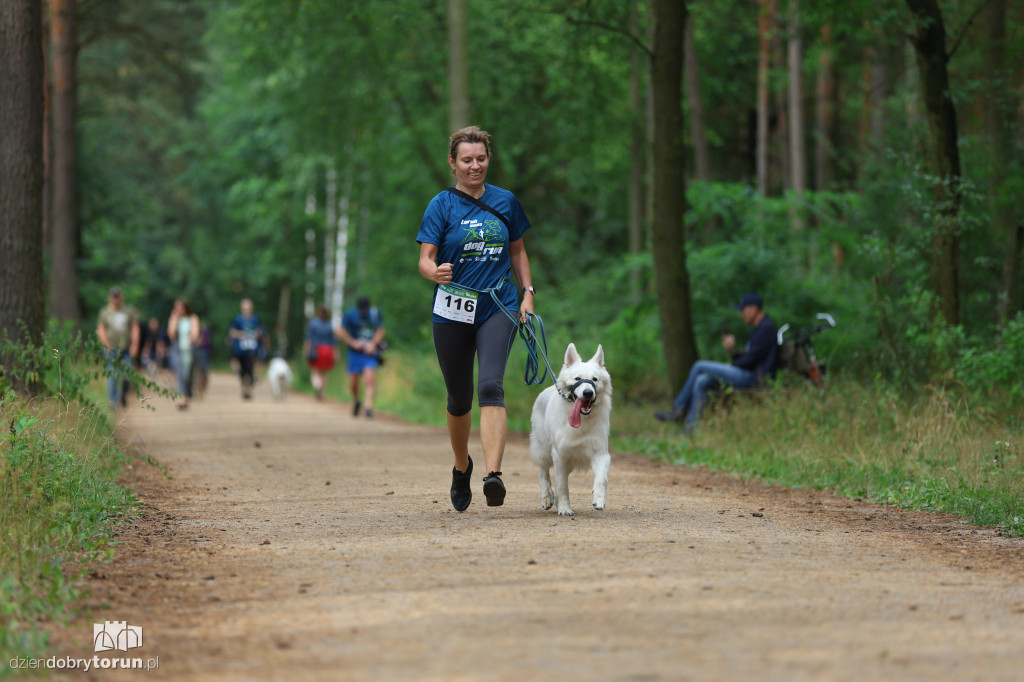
<point x="571" y="421"/>
<point x="279" y="376"/>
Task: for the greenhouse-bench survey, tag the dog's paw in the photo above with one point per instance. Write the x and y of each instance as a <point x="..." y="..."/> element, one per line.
<point x="599" y="506"/>
<point x="547" y="502"/>
<point x="566" y="511"/>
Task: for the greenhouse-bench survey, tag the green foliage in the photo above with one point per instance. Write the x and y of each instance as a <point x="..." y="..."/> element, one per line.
<point x="65" y="365"/>
<point x="931" y="451"/>
<point x="992" y="364"/>
<point x="59" y="500"/>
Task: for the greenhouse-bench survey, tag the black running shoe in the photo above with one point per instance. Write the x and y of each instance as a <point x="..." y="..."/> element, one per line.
<point x="669" y="416"/>
<point x="356" y="407"/>
<point x="462" y="494"/>
<point x="494" y="489"/>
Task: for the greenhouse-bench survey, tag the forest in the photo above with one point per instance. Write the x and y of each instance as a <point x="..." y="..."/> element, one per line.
<point x="860" y="159"/>
<point x="856" y="158"/>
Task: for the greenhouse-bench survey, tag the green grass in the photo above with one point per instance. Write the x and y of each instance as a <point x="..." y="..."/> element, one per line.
<point x="59" y="502"/>
<point x="933" y="451"/>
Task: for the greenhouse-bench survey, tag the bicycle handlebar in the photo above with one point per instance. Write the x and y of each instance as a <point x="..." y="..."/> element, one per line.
<point x="804" y="335"/>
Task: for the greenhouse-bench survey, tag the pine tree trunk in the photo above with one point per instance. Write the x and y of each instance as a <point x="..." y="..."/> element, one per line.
<point x="637" y="195"/>
<point x="779" y="175"/>
<point x="929" y="41"/>
<point x="22" y="299"/>
<point x="47" y="131"/>
<point x="669" y="243"/>
<point x="701" y="155"/>
<point x="825" y="115"/>
<point x="764" y="56"/>
<point x="64" y="303"/>
<point x="997" y="123"/>
<point x="797" y="149"/>
<point x="458" y="67"/>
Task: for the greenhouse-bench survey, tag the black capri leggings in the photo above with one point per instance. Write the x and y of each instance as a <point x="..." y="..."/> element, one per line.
<point x="456" y="343"/>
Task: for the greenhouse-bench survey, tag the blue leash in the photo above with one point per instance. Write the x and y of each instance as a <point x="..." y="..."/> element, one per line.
<point x="531" y="332"/>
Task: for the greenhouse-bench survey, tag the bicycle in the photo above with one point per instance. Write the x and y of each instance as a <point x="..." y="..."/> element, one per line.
<point x="797" y="353"/>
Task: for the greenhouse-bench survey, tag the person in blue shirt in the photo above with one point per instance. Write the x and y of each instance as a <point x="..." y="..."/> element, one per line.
<point x="247" y="336"/>
<point x="319" y="347"/>
<point x="362" y="330"/>
<point x="748" y="369"/>
<point x="471" y="239"/>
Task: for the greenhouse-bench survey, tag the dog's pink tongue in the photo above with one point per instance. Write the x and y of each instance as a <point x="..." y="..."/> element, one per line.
<point x="574" y="414"/>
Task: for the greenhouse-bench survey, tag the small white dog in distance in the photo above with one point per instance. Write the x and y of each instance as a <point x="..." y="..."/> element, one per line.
<point x="571" y="421"/>
<point x="279" y="376"/>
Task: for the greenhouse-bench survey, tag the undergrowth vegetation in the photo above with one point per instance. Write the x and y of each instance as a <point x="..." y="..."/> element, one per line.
<point x="60" y="498"/>
<point x="946" y="448"/>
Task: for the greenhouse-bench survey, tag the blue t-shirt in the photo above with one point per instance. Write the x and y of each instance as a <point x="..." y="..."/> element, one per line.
<point x="320" y="333"/>
<point x="254" y="331"/>
<point x="362" y="328"/>
<point x="475" y="242"/>
<point x="762" y="349"/>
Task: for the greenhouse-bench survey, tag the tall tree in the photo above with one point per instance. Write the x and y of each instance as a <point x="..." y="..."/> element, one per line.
<point x="929" y="40"/>
<point x="764" y="64"/>
<point x="698" y="131"/>
<point x="797" y="148"/>
<point x="997" y="119"/>
<point x="638" y="63"/>
<point x="824" y="123"/>
<point x="458" y="67"/>
<point x="672" y="281"/>
<point x="21" y="173"/>
<point x="64" y="298"/>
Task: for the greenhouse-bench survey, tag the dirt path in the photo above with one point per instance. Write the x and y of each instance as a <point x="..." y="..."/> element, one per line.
<point x="293" y="542"/>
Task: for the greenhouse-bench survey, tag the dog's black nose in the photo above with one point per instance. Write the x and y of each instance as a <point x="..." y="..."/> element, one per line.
<point x="588" y="393"/>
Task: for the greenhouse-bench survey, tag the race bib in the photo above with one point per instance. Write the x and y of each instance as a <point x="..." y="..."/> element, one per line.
<point x="454" y="303"/>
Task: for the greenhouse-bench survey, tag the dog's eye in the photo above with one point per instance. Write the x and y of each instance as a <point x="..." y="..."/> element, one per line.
<point x="594" y="379"/>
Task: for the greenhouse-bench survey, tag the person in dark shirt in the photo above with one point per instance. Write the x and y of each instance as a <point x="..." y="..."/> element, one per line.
<point x="748" y="368"/>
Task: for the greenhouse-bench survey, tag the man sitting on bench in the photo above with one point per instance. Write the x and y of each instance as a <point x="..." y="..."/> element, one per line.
<point x="747" y="370"/>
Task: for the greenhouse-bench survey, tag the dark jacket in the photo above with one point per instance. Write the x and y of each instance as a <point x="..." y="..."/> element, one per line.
<point x="762" y="350"/>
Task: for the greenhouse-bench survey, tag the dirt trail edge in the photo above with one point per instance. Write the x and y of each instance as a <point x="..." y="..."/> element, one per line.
<point x="291" y="541"/>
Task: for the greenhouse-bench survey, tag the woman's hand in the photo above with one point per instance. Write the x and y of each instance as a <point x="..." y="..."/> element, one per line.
<point x="526" y="307"/>
<point x="443" y="274"/>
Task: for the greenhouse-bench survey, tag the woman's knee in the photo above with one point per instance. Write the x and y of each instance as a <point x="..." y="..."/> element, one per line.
<point x="459" y="405"/>
<point x="492" y="393"/>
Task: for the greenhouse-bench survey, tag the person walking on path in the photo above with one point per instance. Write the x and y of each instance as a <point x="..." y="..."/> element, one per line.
<point x="748" y="369"/>
<point x="247" y="336"/>
<point x="362" y="330"/>
<point x="153" y="352"/>
<point x="470" y="237"/>
<point x="117" y="327"/>
<point x="320" y="348"/>
<point x="183" y="331"/>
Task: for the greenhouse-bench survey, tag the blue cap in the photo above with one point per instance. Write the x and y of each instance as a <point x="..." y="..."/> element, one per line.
<point x="749" y="299"/>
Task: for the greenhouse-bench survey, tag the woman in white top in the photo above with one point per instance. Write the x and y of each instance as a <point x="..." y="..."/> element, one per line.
<point x="183" y="331"/>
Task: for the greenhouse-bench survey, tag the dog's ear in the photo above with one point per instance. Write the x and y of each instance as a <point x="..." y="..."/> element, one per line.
<point x="598" y="356"/>
<point x="571" y="356"/>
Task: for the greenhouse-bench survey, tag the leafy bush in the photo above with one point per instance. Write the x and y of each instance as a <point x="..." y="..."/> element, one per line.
<point x="58" y="492"/>
<point x="993" y="364"/>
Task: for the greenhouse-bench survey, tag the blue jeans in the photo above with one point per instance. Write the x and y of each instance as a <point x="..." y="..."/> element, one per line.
<point x="118" y="361"/>
<point x="704" y="376"/>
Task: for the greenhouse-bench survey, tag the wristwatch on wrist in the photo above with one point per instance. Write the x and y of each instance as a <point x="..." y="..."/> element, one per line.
<point x="530" y="289"/>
